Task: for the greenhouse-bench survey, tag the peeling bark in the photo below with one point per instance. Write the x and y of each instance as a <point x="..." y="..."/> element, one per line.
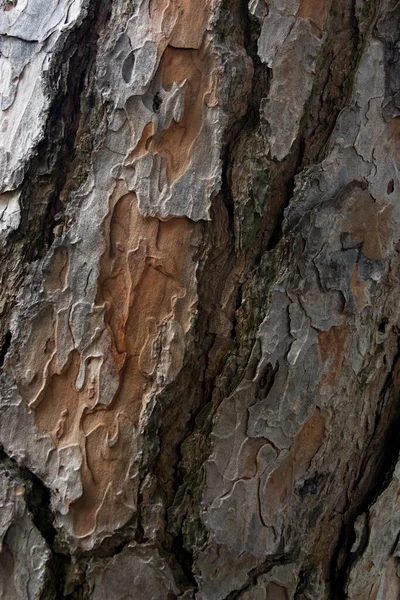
<point x="199" y="235"/>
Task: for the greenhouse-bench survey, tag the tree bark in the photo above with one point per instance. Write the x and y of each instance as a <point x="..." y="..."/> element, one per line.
<point x="199" y="239"/>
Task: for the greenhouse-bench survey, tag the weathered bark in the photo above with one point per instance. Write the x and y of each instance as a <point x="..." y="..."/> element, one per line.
<point x="199" y="238"/>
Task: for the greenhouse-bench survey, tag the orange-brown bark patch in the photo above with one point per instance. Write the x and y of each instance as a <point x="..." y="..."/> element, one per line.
<point x="183" y="22"/>
<point x="309" y="440"/>
<point x="147" y="284"/>
<point x="369" y="224"/>
<point x="358" y="289"/>
<point x="59" y="406"/>
<point x="146" y="273"/>
<point x="175" y="143"/>
<point x="394" y="135"/>
<point x="332" y="345"/>
<point x="276" y="591"/>
<point x="306" y="445"/>
<point x="316" y="11"/>
<point x="247" y="460"/>
<point x="143" y="145"/>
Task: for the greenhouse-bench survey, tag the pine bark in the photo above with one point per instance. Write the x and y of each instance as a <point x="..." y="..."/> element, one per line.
<point x="199" y="299"/>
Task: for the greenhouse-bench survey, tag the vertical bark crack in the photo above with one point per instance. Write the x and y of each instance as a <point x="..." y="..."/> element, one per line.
<point x="375" y="473"/>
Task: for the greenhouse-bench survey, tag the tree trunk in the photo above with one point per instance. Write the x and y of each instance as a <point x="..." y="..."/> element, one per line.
<point x="199" y="238"/>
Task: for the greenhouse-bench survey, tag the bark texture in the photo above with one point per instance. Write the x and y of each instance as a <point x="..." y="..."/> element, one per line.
<point x="199" y="267"/>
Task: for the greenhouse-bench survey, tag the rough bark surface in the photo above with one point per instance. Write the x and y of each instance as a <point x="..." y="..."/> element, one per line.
<point x="199" y="267"/>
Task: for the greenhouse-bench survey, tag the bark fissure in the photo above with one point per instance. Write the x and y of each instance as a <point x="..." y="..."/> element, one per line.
<point x="5" y="347"/>
<point x="382" y="452"/>
<point x="48" y="175"/>
<point x="279" y="559"/>
<point x="37" y="498"/>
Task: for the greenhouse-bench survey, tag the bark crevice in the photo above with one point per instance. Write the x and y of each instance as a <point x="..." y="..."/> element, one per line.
<point x="375" y="474"/>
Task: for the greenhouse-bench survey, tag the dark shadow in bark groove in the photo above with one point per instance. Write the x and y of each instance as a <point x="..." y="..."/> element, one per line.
<point x="49" y="171"/>
<point x="5" y="347"/>
<point x="37" y="498"/>
<point x="384" y="448"/>
<point x="264" y="568"/>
